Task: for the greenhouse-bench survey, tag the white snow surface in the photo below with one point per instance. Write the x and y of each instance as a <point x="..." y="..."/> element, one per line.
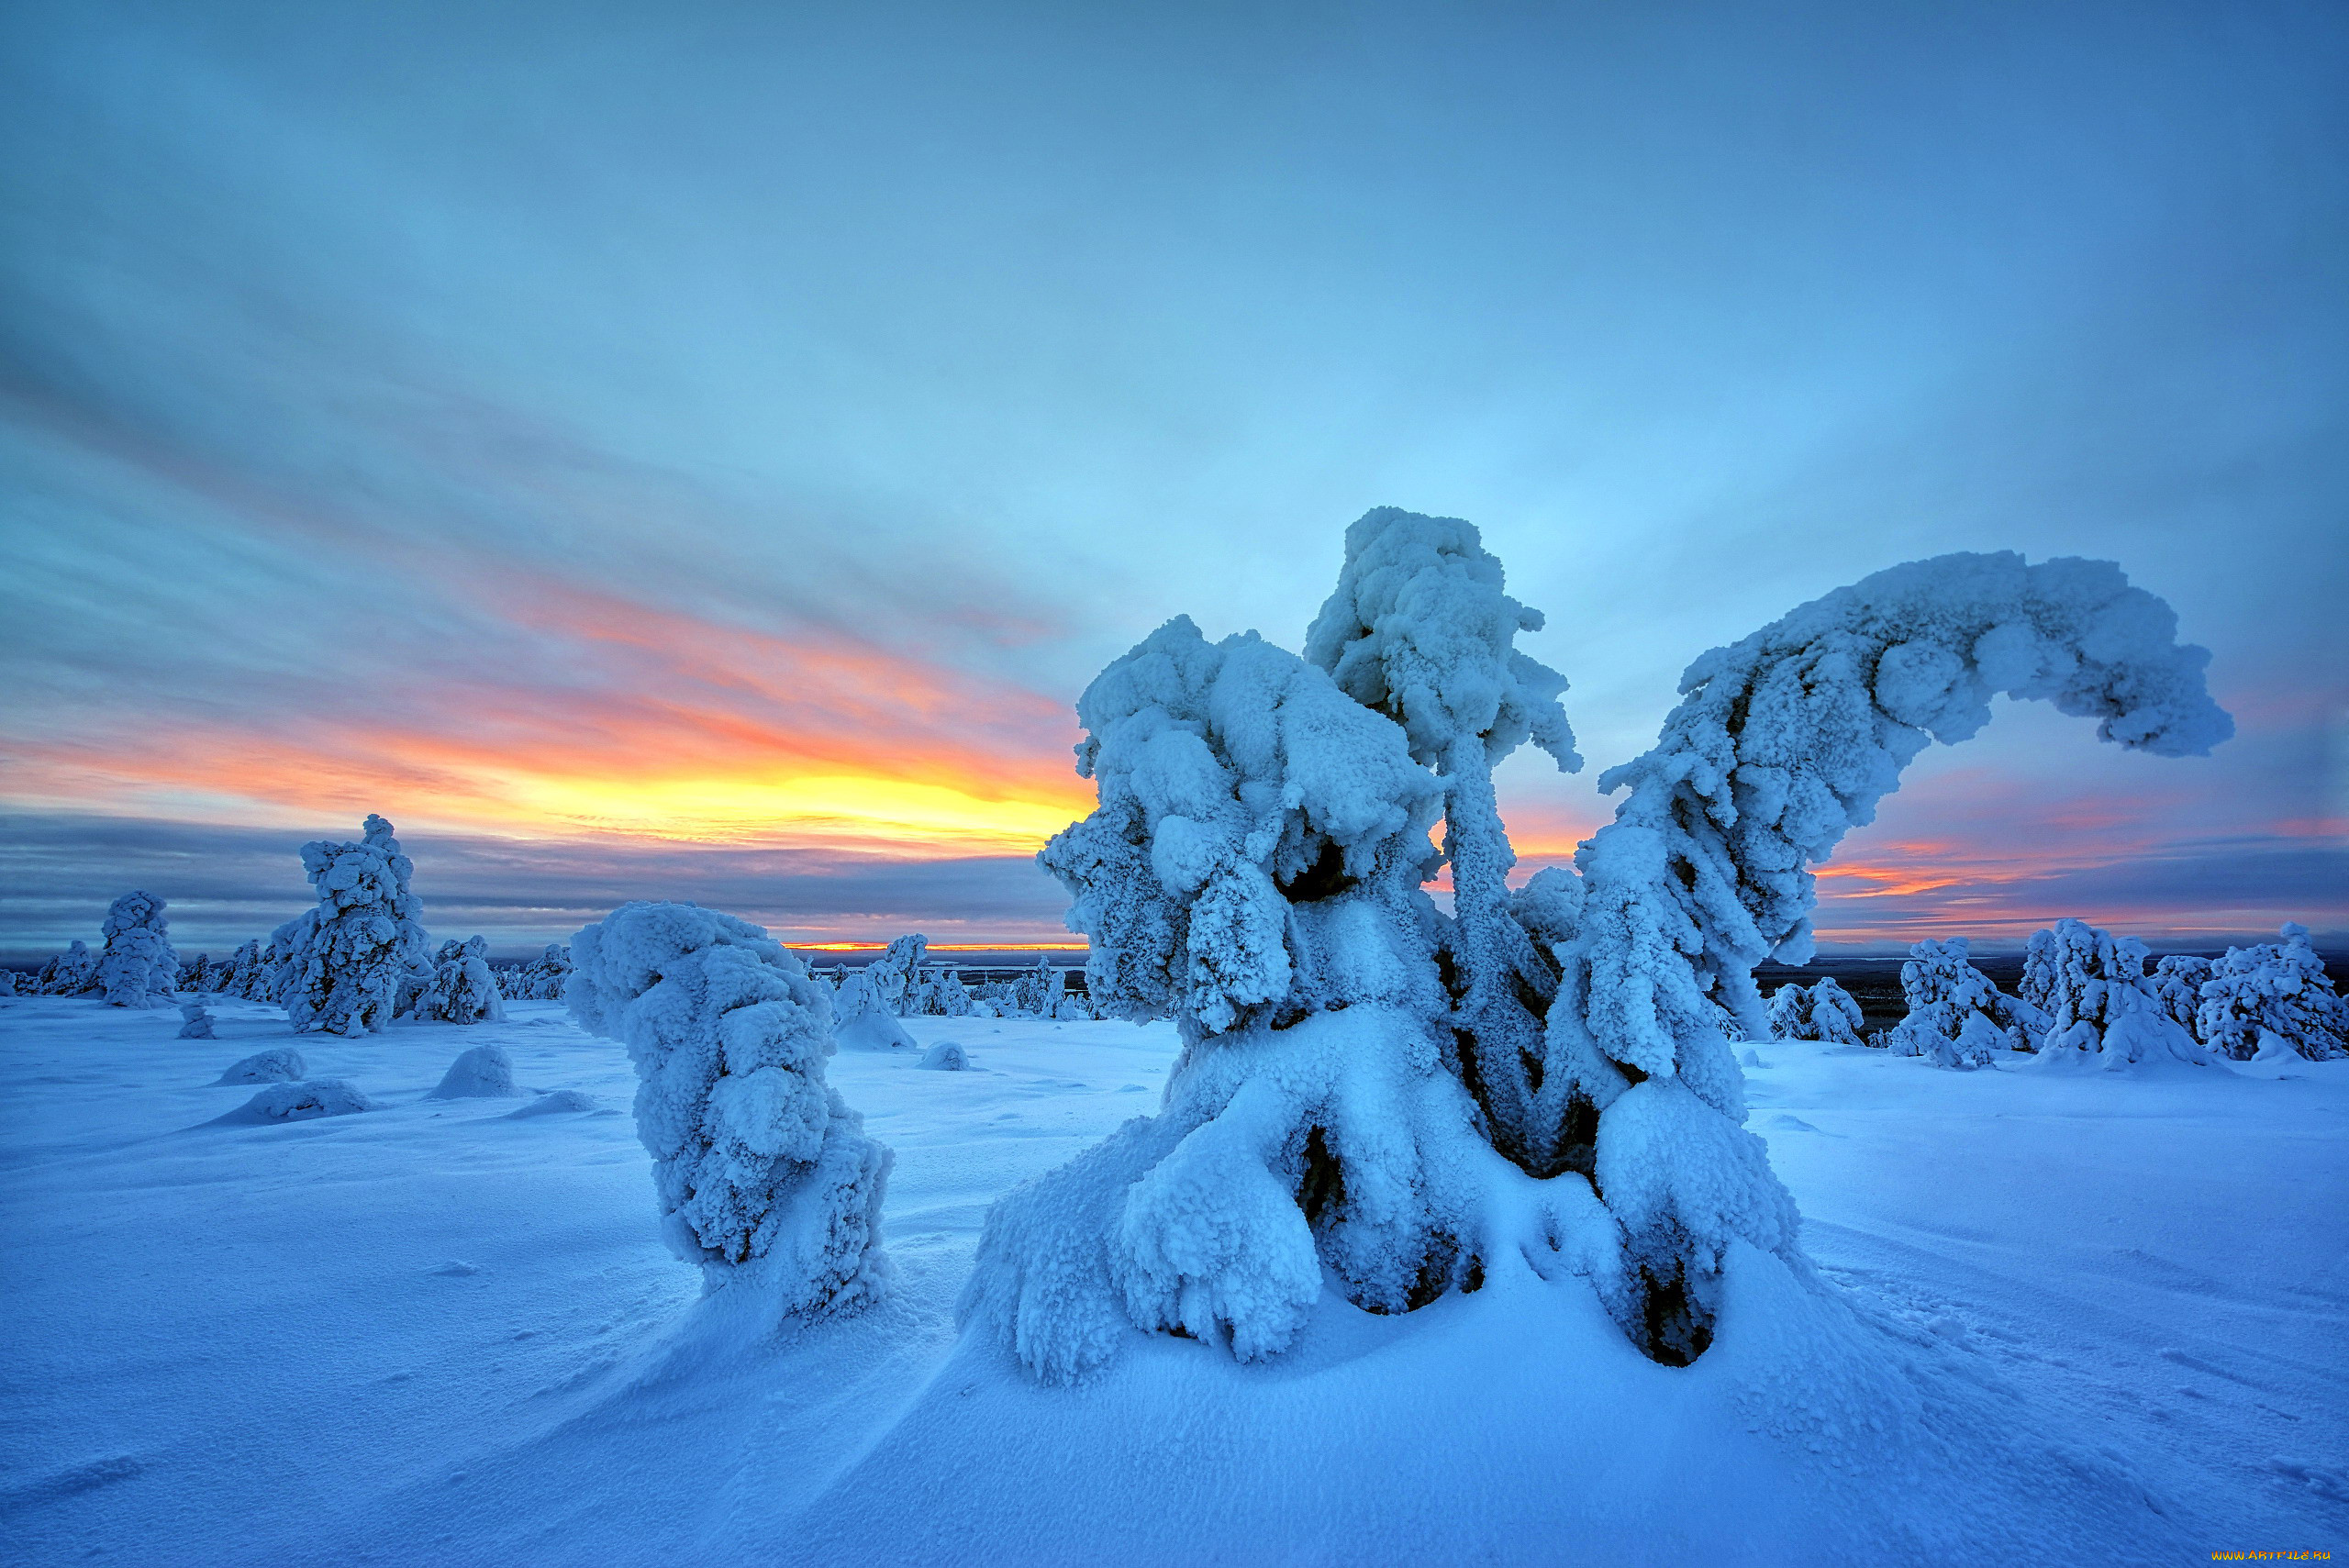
<point x="2090" y="1320"/>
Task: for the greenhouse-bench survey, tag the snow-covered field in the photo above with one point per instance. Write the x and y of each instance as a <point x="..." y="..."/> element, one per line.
<point x="440" y="1334"/>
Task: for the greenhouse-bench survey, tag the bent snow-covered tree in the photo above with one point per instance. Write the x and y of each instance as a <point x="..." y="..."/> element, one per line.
<point x="1255" y="867"/>
<point x="340" y="965"/>
<point x="139" y="964"/>
<point x="765" y="1175"/>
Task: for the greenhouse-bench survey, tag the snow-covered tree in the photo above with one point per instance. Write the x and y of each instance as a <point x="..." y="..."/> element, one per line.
<point x="1957" y="1017"/>
<point x="1420" y="631"/>
<point x="542" y="979"/>
<point x="238" y="971"/>
<point x="948" y="996"/>
<point x="463" y="990"/>
<point x="69" y="974"/>
<point x="340" y="963"/>
<point x="2277" y="993"/>
<point x="139" y="964"/>
<point x="895" y="973"/>
<point x="765" y="1175"/>
<point x="1255" y="869"/>
<point x="1823" y="1011"/>
<point x="2177" y="986"/>
<point x="8" y="982"/>
<point x="195" y="1019"/>
<point x="2101" y="1009"/>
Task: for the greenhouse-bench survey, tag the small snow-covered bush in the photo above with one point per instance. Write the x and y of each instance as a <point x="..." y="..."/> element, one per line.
<point x="301" y="1102"/>
<point x="895" y="975"/>
<point x="463" y="990"/>
<point x="484" y="1073"/>
<point x="764" y="1173"/>
<point x="1956" y="1017"/>
<point x="70" y="973"/>
<point x="946" y="1056"/>
<point x="138" y="965"/>
<point x="7" y="982"/>
<point x="862" y="1020"/>
<point x="338" y="965"/>
<point x="541" y="980"/>
<point x="196" y="1023"/>
<point x="1823" y="1011"/>
<point x="279" y="1064"/>
<point x="2277" y="992"/>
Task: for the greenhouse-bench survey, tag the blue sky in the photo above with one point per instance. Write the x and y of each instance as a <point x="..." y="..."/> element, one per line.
<point x="630" y="444"/>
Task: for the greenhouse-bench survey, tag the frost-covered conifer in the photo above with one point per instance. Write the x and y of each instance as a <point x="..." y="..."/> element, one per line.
<point x="238" y="972"/>
<point x="2278" y="992"/>
<point x="463" y="990"/>
<point x="1253" y="871"/>
<point x="338" y="965"/>
<point x="895" y="974"/>
<point x="541" y="980"/>
<point x="8" y="980"/>
<point x="2177" y="986"/>
<point x="1420" y="631"/>
<point x="195" y="1019"/>
<point x="950" y="998"/>
<point x="2101" y="1009"/>
<point x="139" y="964"/>
<point x="70" y="973"/>
<point x="1823" y="1011"/>
<point x="765" y="1176"/>
<point x="1956" y="1017"/>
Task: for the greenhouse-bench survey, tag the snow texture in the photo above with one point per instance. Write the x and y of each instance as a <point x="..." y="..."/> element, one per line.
<point x="300" y="1102"/>
<point x="196" y="1023"/>
<point x="2277" y="992"/>
<point x="1956" y="1017"/>
<point x="338" y="965"/>
<point x="463" y="990"/>
<point x="279" y="1064"/>
<point x="1419" y="629"/>
<point x="1822" y="1011"/>
<point x="484" y="1073"/>
<point x="765" y="1175"/>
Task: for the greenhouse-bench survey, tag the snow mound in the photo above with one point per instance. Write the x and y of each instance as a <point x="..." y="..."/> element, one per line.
<point x="300" y="1102"/>
<point x="554" y="1103"/>
<point x="863" y="1020"/>
<point x="946" y="1056"/>
<point x="279" y="1064"/>
<point x="484" y="1073"/>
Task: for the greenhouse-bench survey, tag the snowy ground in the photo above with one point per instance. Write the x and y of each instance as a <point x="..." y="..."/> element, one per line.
<point x="433" y="1334"/>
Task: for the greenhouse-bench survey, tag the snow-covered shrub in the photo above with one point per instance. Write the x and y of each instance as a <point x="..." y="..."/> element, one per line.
<point x="279" y="1064"/>
<point x="484" y="1073"/>
<point x="139" y="964"/>
<point x="894" y="976"/>
<point x="301" y="1102"/>
<point x="541" y="980"/>
<point x="939" y="993"/>
<point x="1419" y="629"/>
<point x="765" y="1175"/>
<point x="946" y="1056"/>
<point x="239" y="970"/>
<point x="862" y="1020"/>
<point x="196" y="1023"/>
<point x="1253" y="871"/>
<point x="2101" y="1010"/>
<point x="70" y="973"/>
<point x="2277" y="992"/>
<point x="7" y="982"/>
<point x="1822" y="1011"/>
<point x="1956" y="1017"/>
<point x="338" y="965"/>
<point x="1072" y="1007"/>
<point x="463" y="990"/>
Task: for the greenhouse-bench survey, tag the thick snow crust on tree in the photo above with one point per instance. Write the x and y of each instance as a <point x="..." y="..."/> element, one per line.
<point x="1254" y="871"/>
<point x="862" y="1020"/>
<point x="138" y="965"/>
<point x="1957" y="1017"/>
<point x="340" y="965"/>
<point x="1823" y="1011"/>
<point x="765" y="1175"/>
<point x="2177" y="986"/>
<point x="2102" y="1013"/>
<point x="70" y="973"/>
<point x="2276" y="994"/>
<point x="7" y="982"/>
<point x="463" y="989"/>
<point x="1420" y="631"/>
<point x="894" y="976"/>
<point x="541" y="980"/>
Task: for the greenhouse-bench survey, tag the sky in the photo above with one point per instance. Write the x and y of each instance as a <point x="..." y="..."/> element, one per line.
<point x="701" y="450"/>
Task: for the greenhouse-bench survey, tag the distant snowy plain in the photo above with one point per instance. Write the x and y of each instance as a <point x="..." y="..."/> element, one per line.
<point x="437" y="1333"/>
